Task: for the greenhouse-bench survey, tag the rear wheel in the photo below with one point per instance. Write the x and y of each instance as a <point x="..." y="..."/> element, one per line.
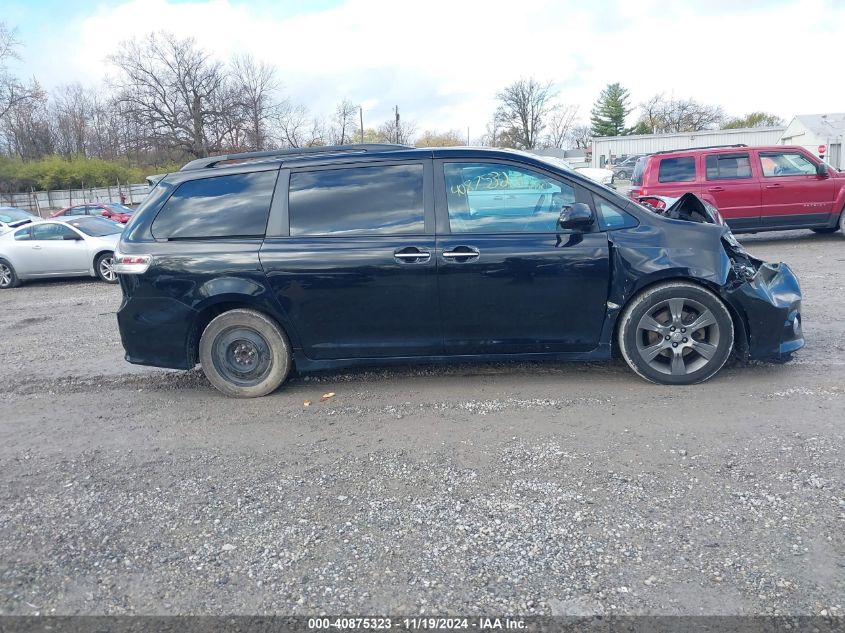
<point x="8" y="276"/>
<point x="104" y="267"/>
<point x="244" y="354"/>
<point x="676" y="334"/>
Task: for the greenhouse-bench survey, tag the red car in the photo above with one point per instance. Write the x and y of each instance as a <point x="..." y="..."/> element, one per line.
<point x="755" y="188"/>
<point x="110" y="210"/>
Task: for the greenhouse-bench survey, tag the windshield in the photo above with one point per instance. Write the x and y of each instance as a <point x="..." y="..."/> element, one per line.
<point x="119" y="208"/>
<point x="96" y="227"/>
<point x="13" y="215"/>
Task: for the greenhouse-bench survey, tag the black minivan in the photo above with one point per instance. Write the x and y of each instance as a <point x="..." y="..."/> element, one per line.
<point x="252" y="264"/>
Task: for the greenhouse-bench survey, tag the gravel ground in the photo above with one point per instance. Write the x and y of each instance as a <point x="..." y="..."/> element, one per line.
<point x="494" y="488"/>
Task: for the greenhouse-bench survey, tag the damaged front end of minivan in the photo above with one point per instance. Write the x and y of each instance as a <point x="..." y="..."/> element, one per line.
<point x="764" y="298"/>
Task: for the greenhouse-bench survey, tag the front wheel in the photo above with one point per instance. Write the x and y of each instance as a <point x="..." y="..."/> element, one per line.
<point x="244" y="354"/>
<point x="676" y="333"/>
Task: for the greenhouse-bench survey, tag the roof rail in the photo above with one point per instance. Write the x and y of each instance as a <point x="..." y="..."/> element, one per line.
<point x="690" y="149"/>
<point x="211" y="161"/>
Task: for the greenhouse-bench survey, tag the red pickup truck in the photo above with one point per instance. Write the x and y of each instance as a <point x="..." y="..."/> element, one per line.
<point x="771" y="188"/>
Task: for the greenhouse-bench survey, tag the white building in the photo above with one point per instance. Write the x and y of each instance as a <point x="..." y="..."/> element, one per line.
<point x="812" y="130"/>
<point x="605" y="147"/>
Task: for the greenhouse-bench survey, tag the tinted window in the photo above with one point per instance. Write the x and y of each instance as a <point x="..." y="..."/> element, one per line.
<point x="611" y="216"/>
<point x="786" y="164"/>
<point x="223" y="206"/>
<point x="119" y="208"/>
<point x="497" y="198"/>
<point x="51" y="232"/>
<point x="639" y="168"/>
<point x="96" y="227"/>
<point x="76" y="211"/>
<point x="23" y="234"/>
<point x="727" y="167"/>
<point x="357" y="201"/>
<point x="677" y="170"/>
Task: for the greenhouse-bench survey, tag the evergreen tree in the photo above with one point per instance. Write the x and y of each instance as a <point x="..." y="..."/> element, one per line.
<point x="609" y="111"/>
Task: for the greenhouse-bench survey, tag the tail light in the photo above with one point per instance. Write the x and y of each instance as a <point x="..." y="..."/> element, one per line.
<point x="131" y="264"/>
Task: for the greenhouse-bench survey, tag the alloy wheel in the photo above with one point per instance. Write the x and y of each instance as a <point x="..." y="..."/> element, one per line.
<point x="677" y="336"/>
<point x="5" y="276"/>
<point x="107" y="268"/>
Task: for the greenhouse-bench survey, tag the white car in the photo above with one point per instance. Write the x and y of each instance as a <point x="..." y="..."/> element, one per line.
<point x="70" y="247"/>
<point x="601" y="176"/>
<point x="12" y="217"/>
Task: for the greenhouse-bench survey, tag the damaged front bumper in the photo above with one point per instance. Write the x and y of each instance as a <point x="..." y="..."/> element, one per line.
<point x="769" y="300"/>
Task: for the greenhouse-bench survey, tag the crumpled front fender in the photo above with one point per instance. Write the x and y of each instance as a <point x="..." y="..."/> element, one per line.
<point x="770" y="302"/>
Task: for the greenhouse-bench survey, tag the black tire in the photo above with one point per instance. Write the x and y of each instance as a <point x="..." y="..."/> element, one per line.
<point x="104" y="267"/>
<point x="690" y="354"/>
<point x="8" y="276"/>
<point x="244" y="354"/>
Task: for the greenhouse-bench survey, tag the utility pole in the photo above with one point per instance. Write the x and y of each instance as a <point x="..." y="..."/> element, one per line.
<point x="396" y="109"/>
<point x="361" y="112"/>
<point x="467" y="136"/>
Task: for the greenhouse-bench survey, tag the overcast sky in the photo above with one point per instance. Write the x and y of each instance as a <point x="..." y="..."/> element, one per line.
<point x="443" y="61"/>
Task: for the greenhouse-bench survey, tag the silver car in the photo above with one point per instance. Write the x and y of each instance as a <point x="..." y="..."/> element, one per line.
<point x="67" y="247"/>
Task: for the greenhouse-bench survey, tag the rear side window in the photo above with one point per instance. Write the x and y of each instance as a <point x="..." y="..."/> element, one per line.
<point x="727" y="167"/>
<point x="373" y="200"/>
<point x="677" y="169"/>
<point x="51" y="231"/>
<point x="235" y="205"/>
<point x="639" y="168"/>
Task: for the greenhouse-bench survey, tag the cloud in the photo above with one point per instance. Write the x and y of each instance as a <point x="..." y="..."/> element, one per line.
<point x="444" y="61"/>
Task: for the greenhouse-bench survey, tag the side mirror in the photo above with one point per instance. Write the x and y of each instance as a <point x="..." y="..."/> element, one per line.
<point x="578" y="216"/>
<point x="72" y="238"/>
<point x="822" y="170"/>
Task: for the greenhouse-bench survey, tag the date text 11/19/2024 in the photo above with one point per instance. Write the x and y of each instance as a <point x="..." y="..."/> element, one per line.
<point x="415" y="623"/>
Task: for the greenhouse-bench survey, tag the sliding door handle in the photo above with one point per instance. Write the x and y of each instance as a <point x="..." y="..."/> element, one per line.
<point x="463" y="253"/>
<point x="412" y="255"/>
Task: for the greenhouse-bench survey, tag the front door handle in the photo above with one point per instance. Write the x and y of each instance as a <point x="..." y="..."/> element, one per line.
<point x="774" y="186"/>
<point x="463" y="253"/>
<point x="36" y="248"/>
<point x="716" y="189"/>
<point x="412" y="255"/>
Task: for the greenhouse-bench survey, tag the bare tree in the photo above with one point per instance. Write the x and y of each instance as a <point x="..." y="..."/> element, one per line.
<point x="344" y="127"/>
<point x="255" y="84"/>
<point x="560" y="123"/>
<point x="177" y="91"/>
<point x="581" y="135"/>
<point x="660" y="115"/>
<point x="13" y="92"/>
<point x="26" y="129"/>
<point x="523" y="107"/>
<point x="290" y="125"/>
<point x="397" y="131"/>
<point x="433" y="138"/>
<point x="71" y="115"/>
